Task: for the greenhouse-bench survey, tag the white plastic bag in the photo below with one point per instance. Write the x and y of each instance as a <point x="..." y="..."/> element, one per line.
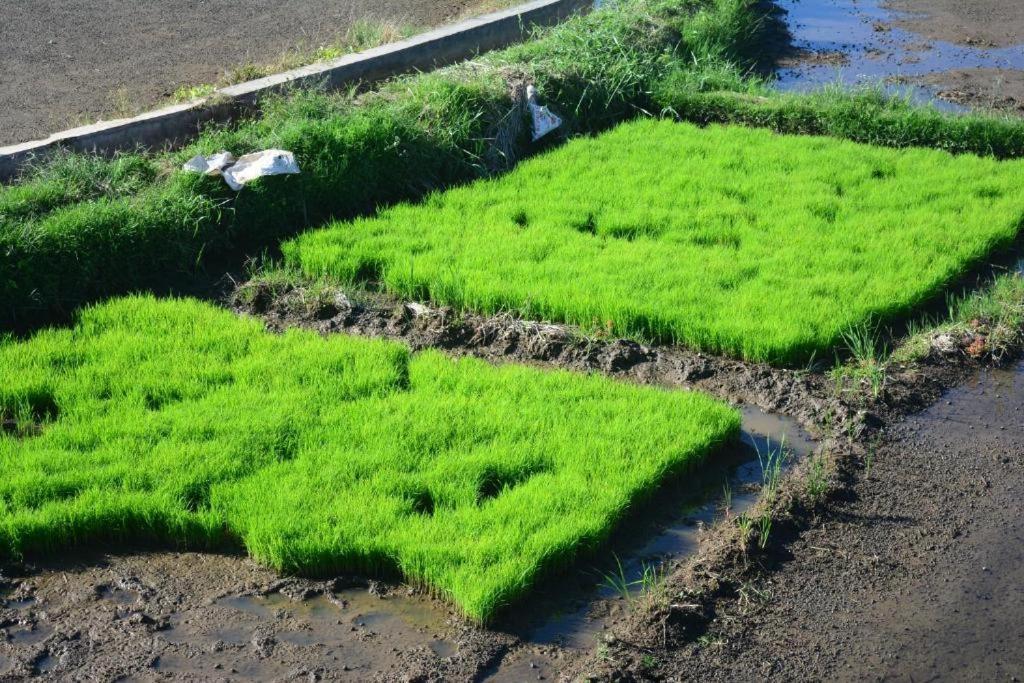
<point x="238" y="172"/>
<point x="260" y="164"/>
<point x="211" y="165"/>
<point x="543" y="120"/>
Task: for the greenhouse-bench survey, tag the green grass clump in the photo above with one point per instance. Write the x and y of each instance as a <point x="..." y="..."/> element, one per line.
<point x="61" y="246"/>
<point x="173" y="422"/>
<point x="731" y="240"/>
<point x="867" y="114"/>
<point x="71" y="178"/>
<point x="992" y="314"/>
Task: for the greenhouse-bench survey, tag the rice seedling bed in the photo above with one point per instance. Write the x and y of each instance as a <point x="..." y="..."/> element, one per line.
<point x="173" y="422"/>
<point x="730" y="240"/>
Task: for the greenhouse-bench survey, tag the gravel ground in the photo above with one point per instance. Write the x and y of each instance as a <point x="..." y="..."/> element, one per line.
<point x="71" y="62"/>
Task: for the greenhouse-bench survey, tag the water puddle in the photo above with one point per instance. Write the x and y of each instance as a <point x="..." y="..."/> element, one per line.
<point x="855" y="42"/>
<point x="19" y="604"/>
<point x="47" y="664"/>
<point x="578" y="610"/>
<point x="28" y="634"/>
<point x="118" y="596"/>
<point x="991" y="401"/>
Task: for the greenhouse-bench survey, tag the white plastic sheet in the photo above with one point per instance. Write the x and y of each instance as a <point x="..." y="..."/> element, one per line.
<point x="211" y="165"/>
<point x="544" y="121"/>
<point x="260" y="164"/>
<point x="238" y="172"/>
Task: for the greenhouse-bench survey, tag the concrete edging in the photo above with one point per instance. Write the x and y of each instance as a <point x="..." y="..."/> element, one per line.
<point x="179" y="123"/>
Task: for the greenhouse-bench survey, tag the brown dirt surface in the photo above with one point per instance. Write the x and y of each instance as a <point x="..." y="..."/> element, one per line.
<point x="914" y="573"/>
<point x="988" y="23"/>
<point x="997" y="89"/>
<point x="970" y="54"/>
<point x="202" y="617"/>
<point x="71" y="62"/>
<point x="980" y="24"/>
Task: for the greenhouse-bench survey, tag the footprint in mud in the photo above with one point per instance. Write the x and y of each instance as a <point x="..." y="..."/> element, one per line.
<point x="118" y="596"/>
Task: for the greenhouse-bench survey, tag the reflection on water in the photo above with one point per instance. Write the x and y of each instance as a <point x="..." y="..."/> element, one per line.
<point x="874" y="50"/>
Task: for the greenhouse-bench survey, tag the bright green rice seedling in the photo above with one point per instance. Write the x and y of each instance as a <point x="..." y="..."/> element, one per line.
<point x="176" y="423"/>
<point x="731" y="240"/>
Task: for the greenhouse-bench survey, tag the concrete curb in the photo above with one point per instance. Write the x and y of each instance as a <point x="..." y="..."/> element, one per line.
<point x="179" y="123"/>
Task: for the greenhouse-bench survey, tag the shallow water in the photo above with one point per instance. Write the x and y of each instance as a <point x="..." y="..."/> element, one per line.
<point x="992" y="401"/>
<point x="875" y="50"/>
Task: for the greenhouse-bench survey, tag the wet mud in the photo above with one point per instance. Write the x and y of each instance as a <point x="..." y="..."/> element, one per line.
<point x="914" y="573"/>
<point x="802" y="396"/>
<point x="957" y="55"/>
<point x="189" y="616"/>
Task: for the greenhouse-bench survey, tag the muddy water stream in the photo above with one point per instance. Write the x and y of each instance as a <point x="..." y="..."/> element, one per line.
<point x="202" y="616"/>
<point x="858" y="42"/>
<point x="574" y="614"/>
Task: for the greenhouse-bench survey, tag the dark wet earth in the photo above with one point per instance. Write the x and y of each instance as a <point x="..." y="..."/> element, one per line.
<point x="917" y="576"/>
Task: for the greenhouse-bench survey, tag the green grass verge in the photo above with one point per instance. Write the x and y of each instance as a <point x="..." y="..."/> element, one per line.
<point x="988" y="322"/>
<point x="65" y="242"/>
<point x="178" y="423"/>
<point x="864" y="115"/>
<point x="728" y="239"/>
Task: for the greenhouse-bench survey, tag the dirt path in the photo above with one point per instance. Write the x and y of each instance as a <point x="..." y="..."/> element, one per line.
<point x="71" y="62"/>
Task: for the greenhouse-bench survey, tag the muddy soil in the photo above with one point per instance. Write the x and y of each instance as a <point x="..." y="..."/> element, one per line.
<point x="996" y="89"/>
<point x="915" y="573"/>
<point x="71" y="62"/>
<point x="990" y="23"/>
<point x="803" y="396"/>
<point x="186" y="616"/>
<point x="962" y="55"/>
